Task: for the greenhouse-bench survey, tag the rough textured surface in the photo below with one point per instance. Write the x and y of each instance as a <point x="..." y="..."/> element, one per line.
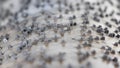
<point x="59" y="34"/>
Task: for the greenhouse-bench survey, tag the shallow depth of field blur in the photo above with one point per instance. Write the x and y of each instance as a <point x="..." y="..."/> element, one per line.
<point x="59" y="33"/>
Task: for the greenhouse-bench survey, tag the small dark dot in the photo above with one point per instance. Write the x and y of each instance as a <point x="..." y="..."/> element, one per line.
<point x="116" y="31"/>
<point x="94" y="26"/>
<point x="102" y="38"/>
<point x="106" y="52"/>
<point x="117" y="36"/>
<point x="24" y="30"/>
<point x="96" y="19"/>
<point x="59" y="9"/>
<point x="115" y="44"/>
<point x="106" y="31"/>
<point x="105" y="9"/>
<point x="91" y="7"/>
<point x="9" y="56"/>
<point x="99" y="26"/>
<point x="0" y="63"/>
<point x="108" y="24"/>
<point x="98" y="3"/>
<point x="77" y="4"/>
<point x="115" y="59"/>
<point x="1" y="59"/>
<point x="119" y="42"/>
<point x="30" y="31"/>
<point x="108" y="59"/>
<point x="113" y="52"/>
<point x="75" y="24"/>
<point x="118" y="52"/>
<point x="116" y="65"/>
<point x="2" y="53"/>
<point x="118" y="13"/>
<point x="104" y="57"/>
<point x="66" y="11"/>
<point x="106" y="15"/>
<point x="100" y="10"/>
<point x="96" y="38"/>
<point x="102" y="48"/>
<point x="111" y="35"/>
<point x="105" y="28"/>
<point x="109" y="48"/>
<point x="20" y="48"/>
<point x="87" y="3"/>
<point x="99" y="30"/>
<point x="71" y="24"/>
<point x="101" y="15"/>
<point x="49" y="16"/>
<point x="89" y="31"/>
<point x="89" y="45"/>
<point x="93" y="52"/>
<point x="87" y="22"/>
<point x="74" y="17"/>
<point x="0" y="47"/>
<point x="60" y="16"/>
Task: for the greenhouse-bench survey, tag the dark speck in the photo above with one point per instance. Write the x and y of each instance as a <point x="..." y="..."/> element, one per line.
<point x="102" y="38"/>
<point x="115" y="59"/>
<point x="99" y="30"/>
<point x="96" y="38"/>
<point x="115" y="44"/>
<point x="111" y="35"/>
<point x="93" y="52"/>
<point x="75" y="24"/>
<point x="113" y="52"/>
<point x="117" y="36"/>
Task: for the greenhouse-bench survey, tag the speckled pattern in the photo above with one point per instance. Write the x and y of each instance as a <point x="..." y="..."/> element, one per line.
<point x="59" y="33"/>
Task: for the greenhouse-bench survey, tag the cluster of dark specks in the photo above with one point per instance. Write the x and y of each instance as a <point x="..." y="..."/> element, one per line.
<point x="59" y="33"/>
